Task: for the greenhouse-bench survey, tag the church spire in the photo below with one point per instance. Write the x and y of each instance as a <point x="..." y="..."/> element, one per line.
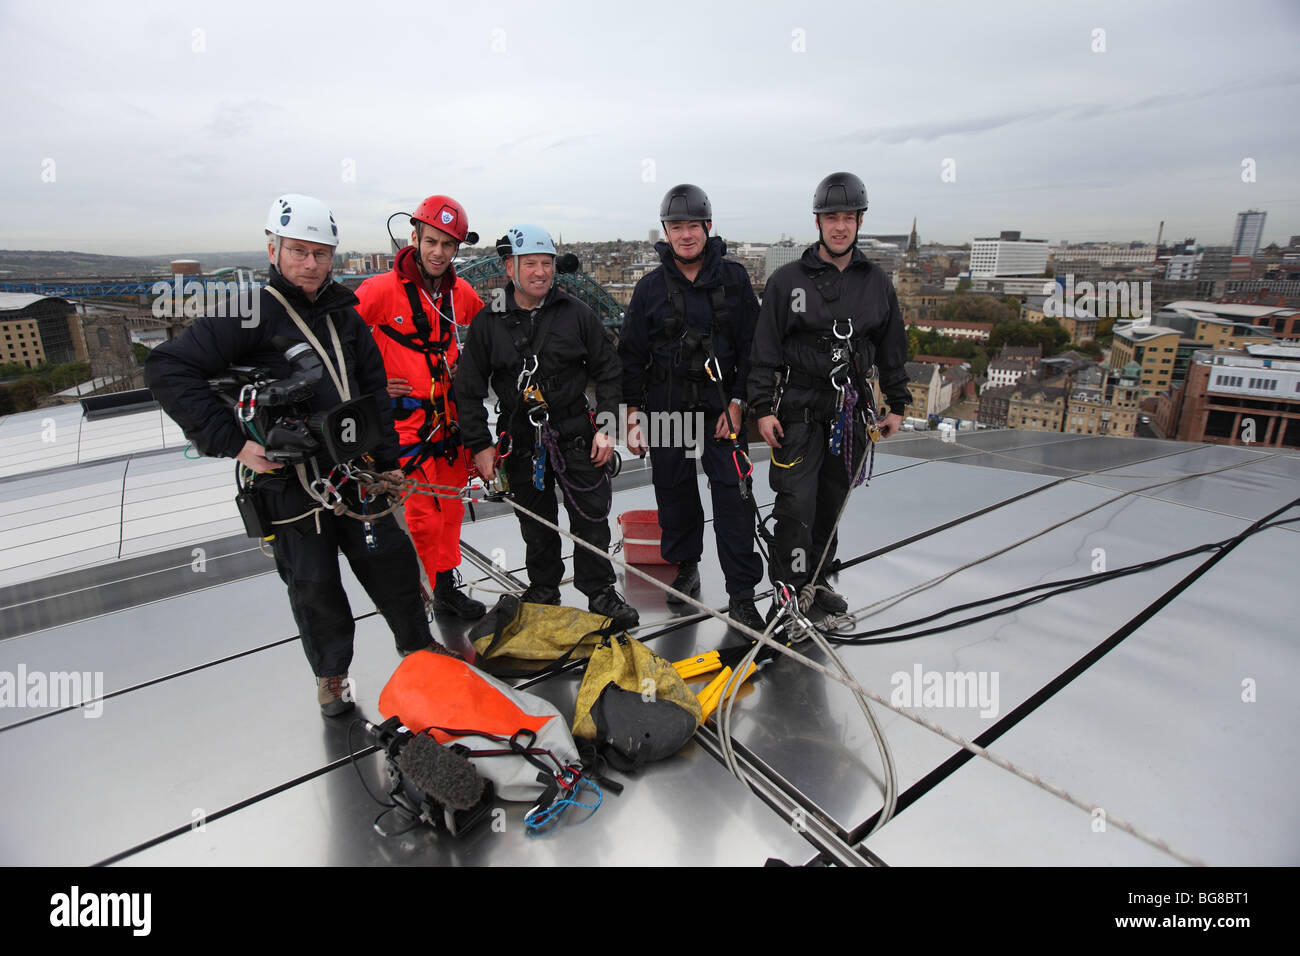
<point x="911" y="243"/>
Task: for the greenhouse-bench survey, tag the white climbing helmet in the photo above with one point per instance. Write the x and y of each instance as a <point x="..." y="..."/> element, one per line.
<point x="294" y="216"/>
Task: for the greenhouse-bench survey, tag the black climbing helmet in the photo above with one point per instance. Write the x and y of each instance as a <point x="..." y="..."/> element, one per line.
<point x="685" y="203"/>
<point x="840" y="192"/>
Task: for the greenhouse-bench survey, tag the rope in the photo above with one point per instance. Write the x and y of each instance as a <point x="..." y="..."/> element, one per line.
<point x="846" y="424"/>
<point x="551" y="442"/>
<point x="844" y="677"/>
<point x="556" y="809"/>
<point x="763" y="638"/>
<point x="887" y="602"/>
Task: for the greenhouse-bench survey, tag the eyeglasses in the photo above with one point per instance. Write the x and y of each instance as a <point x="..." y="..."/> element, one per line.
<point x="298" y="254"/>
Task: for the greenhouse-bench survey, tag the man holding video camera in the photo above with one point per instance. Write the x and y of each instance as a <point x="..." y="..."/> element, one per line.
<point x="303" y="318"/>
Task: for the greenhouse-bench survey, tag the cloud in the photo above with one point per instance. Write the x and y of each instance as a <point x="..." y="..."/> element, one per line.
<point x="230" y="120"/>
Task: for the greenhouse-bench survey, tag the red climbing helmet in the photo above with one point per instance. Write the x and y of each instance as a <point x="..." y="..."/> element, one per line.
<point x="444" y="213"/>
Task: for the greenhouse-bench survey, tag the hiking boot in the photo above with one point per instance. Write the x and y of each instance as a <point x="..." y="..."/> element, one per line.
<point x="334" y="694"/>
<point x="743" y="612"/>
<point x="687" y="581"/>
<point x="540" y="594"/>
<point x="431" y="646"/>
<point x="609" y="603"/>
<point x="447" y="598"/>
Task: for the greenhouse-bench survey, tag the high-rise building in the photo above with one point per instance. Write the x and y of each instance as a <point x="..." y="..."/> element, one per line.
<point x="779" y="254"/>
<point x="1246" y="237"/>
<point x="1008" y="255"/>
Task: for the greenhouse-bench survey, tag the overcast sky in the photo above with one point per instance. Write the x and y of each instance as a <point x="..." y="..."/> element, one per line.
<point x="152" y="127"/>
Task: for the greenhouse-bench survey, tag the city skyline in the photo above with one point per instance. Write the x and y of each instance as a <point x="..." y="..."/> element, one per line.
<point x="171" y="128"/>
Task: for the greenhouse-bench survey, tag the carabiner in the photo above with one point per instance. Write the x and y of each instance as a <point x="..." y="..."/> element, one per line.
<point x="526" y="374"/>
<point x="246" y="408"/>
<point x="326" y="493"/>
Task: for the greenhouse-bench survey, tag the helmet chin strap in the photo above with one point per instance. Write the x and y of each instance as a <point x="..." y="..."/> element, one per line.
<point x="519" y="274"/>
<point x="821" y="240"/>
<point x="693" y="259"/>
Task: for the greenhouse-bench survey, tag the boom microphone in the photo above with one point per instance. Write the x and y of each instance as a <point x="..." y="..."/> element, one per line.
<point x="445" y="775"/>
<point x="567" y="263"/>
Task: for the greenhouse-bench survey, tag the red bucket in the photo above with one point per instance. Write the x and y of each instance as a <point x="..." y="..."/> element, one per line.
<point x="641" y="537"/>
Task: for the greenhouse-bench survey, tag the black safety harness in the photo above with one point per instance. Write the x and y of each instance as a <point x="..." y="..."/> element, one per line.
<point x="692" y="355"/>
<point x="842" y="345"/>
<point x="533" y="402"/>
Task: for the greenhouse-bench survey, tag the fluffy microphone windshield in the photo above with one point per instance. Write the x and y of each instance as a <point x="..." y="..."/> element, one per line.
<point x="446" y="776"/>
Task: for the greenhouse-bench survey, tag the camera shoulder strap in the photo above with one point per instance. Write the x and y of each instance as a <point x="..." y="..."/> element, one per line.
<point x="340" y="383"/>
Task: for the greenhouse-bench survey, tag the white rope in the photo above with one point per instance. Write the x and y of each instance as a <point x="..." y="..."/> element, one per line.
<point x="998" y="761"/>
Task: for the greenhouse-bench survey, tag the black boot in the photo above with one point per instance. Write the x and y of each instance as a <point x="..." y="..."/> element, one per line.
<point x="540" y="594"/>
<point x="609" y="603"/>
<point x="447" y="598"/>
<point x="687" y="581"/>
<point x="742" y="610"/>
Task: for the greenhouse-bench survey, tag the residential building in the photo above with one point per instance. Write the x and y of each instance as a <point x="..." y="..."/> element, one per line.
<point x="1003" y="372"/>
<point x="994" y="403"/>
<point x="924" y="384"/>
<point x="974" y="331"/>
<point x="1031" y="355"/>
<point x="1036" y="406"/>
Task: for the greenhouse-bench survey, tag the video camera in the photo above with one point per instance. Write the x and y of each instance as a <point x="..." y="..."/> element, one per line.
<point x="277" y="413"/>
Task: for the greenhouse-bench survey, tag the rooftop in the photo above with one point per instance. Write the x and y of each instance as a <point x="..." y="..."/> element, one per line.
<point x="1122" y="694"/>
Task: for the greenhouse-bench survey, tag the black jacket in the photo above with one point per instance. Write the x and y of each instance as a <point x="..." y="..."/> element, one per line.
<point x="574" y="348"/>
<point x="796" y="321"/>
<point x="643" y="337"/>
<point x="177" y="372"/>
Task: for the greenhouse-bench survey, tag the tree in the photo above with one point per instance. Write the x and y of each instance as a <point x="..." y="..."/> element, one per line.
<point x="962" y="286"/>
<point x="978" y="307"/>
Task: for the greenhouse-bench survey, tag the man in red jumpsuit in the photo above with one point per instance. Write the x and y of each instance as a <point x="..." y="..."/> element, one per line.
<point x="412" y="312"/>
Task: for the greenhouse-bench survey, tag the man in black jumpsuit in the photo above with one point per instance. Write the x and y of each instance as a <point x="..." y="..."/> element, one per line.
<point x="301" y="240"/>
<point x="692" y="309"/>
<point x="537" y="347"/>
<point x="826" y="319"/>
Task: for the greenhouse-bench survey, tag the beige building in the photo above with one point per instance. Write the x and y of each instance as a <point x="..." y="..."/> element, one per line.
<point x="1152" y="348"/>
<point x="1037" y="407"/>
<point x="1107" y="409"/>
<point x="1224" y="334"/>
<point x="20" y="341"/>
<point x="925" y="386"/>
